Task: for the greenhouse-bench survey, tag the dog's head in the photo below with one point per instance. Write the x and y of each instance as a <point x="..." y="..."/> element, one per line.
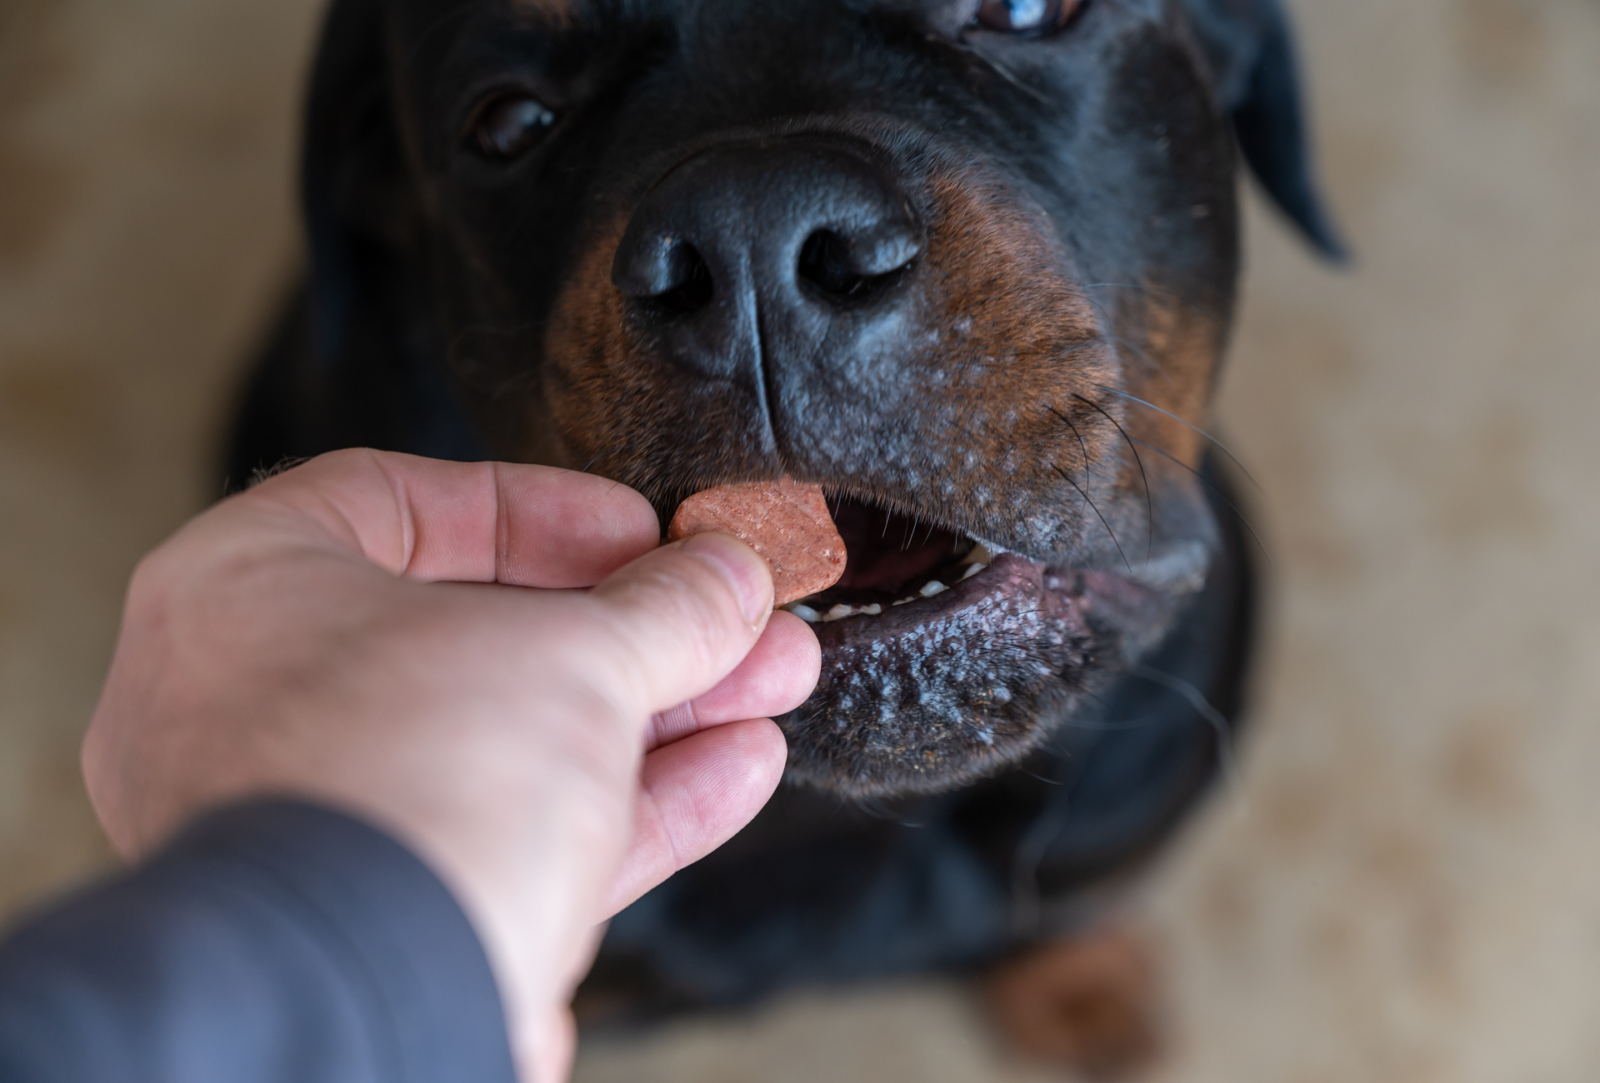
<point x="967" y="264"/>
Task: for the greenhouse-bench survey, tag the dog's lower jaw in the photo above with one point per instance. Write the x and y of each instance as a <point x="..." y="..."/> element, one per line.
<point x="931" y="696"/>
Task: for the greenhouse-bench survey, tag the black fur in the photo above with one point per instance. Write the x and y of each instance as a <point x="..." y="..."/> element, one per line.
<point x="346" y="367"/>
<point x="388" y="344"/>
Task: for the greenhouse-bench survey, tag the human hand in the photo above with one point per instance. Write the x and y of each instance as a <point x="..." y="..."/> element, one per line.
<point x="359" y="632"/>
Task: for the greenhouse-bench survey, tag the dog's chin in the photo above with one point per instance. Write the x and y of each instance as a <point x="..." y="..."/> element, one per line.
<point x="947" y="659"/>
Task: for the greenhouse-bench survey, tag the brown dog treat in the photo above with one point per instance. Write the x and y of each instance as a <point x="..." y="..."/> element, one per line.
<point x="786" y="522"/>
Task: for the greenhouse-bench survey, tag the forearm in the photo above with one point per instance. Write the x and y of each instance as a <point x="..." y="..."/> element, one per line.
<point x="270" y="942"/>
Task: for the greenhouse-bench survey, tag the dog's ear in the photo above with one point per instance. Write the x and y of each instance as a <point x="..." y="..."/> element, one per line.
<point x="359" y="204"/>
<point x="1251" y="52"/>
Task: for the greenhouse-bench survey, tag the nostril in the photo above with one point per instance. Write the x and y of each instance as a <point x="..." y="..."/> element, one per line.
<point x="854" y="270"/>
<point x="677" y="282"/>
<point x="692" y="288"/>
<point x="823" y="264"/>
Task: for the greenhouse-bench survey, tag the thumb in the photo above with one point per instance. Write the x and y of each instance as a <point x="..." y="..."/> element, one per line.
<point x="681" y="618"/>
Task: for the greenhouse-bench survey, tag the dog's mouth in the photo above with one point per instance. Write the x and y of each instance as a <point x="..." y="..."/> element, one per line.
<point x="894" y="561"/>
<point x="946" y="657"/>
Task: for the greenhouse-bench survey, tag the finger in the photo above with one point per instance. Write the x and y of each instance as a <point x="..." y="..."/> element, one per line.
<point x="672" y="624"/>
<point x="777" y="676"/>
<point x="694" y="796"/>
<point x="531" y="526"/>
<point x="552" y="1042"/>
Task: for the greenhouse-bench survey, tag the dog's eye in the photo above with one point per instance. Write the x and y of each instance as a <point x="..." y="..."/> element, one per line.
<point x="508" y="125"/>
<point x="1026" y="16"/>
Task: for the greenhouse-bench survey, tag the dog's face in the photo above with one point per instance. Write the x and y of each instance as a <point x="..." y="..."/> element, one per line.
<point x="967" y="264"/>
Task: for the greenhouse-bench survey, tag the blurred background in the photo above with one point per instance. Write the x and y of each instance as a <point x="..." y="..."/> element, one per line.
<point x="1405" y="883"/>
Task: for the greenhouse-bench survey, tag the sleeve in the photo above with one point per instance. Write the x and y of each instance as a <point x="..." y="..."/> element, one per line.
<point x="270" y="942"/>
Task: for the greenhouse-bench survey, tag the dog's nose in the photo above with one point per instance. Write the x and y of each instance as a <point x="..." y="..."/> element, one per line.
<point x="759" y="252"/>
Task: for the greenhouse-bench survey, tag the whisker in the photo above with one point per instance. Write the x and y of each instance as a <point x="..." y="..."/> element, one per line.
<point x="1067" y="421"/>
<point x="1029" y="859"/>
<point x="1221" y="495"/>
<point x="879" y="809"/>
<point x="1226" y="759"/>
<point x="1122" y="344"/>
<point x="1149" y="501"/>
<point x="1068" y="479"/>
<point x="1032" y="849"/>
<point x="1218" y="444"/>
<point x="1108" y="727"/>
<point x="1084" y="447"/>
<point x="602" y="455"/>
<point x="1037" y="777"/>
<point x="1151" y="362"/>
<point x="1175" y="297"/>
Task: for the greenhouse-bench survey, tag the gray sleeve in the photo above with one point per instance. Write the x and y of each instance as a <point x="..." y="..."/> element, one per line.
<point x="270" y="942"/>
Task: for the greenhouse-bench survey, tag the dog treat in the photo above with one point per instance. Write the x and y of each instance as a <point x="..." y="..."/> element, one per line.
<point x="786" y="522"/>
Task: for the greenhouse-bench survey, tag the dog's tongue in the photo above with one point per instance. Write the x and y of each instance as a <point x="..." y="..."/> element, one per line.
<point x="786" y="522"/>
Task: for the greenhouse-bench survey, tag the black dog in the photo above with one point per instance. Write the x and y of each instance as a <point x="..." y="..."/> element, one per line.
<point x="969" y="265"/>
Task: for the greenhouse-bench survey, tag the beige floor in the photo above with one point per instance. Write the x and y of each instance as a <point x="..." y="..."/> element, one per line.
<point x="1406" y="885"/>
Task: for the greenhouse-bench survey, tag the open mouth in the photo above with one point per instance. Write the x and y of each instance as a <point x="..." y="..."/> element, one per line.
<point x="894" y="561"/>
<point x="945" y="657"/>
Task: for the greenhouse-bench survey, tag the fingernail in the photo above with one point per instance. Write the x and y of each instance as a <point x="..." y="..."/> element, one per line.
<point x="744" y="571"/>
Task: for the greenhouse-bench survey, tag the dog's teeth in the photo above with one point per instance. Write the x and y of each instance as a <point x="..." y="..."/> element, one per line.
<point x="804" y="612"/>
<point x="932" y="588"/>
<point x="872" y="610"/>
<point x="980" y="555"/>
<point x="972" y="570"/>
<point x="905" y="601"/>
<point x="839" y="612"/>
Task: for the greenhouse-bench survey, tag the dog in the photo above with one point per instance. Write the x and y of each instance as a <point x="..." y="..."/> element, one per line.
<point x="970" y="265"/>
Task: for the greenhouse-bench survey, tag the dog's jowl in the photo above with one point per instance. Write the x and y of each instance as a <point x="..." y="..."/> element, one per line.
<point x="968" y="265"/>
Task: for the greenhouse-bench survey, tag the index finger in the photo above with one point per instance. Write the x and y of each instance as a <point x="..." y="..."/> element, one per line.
<point x="528" y="526"/>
